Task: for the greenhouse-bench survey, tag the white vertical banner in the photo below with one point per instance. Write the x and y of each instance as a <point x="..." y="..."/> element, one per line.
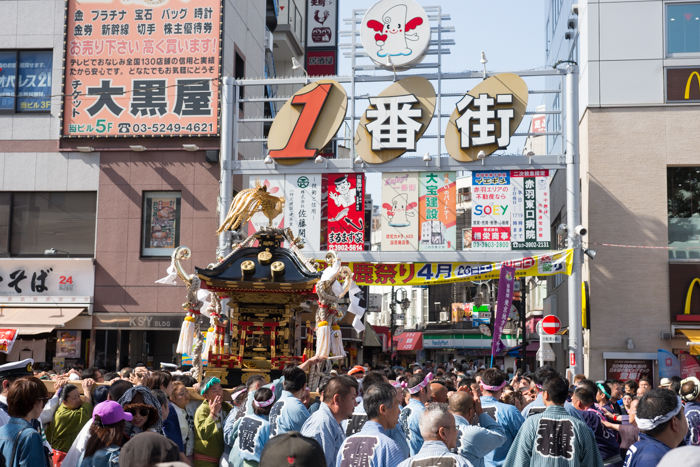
<point x="544" y="234"/>
<point x="517" y="210"/>
<point x="530" y="210"/>
<point x="275" y="186"/>
<point x="302" y="209"/>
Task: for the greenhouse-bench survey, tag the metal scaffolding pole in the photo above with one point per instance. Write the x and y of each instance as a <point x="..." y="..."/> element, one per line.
<point x="225" y="161"/>
<point x="573" y="219"/>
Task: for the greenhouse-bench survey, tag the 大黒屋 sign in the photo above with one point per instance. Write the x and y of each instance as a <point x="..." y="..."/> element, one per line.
<point x="142" y="68"/>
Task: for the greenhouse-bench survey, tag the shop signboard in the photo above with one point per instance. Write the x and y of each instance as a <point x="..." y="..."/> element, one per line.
<point x="321" y="23"/>
<point x="375" y="303"/>
<point x="275" y="186"/>
<point x="438" y="216"/>
<point x="624" y="370"/>
<point x="461" y="312"/>
<point x="530" y="210"/>
<point x="481" y="315"/>
<point x="420" y="274"/>
<point x="399" y="212"/>
<point x="56" y="281"/>
<point x="683" y="84"/>
<point x="395" y="33"/>
<point x="472" y="341"/>
<point x="138" y="321"/>
<point x="321" y="62"/>
<point x="68" y="344"/>
<point x="302" y="208"/>
<point x="142" y="69"/>
<point x="491" y="213"/>
<point x="345" y="211"/>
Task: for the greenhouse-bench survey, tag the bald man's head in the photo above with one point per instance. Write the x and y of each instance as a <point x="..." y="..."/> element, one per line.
<point x="461" y="403"/>
<point x="438" y="391"/>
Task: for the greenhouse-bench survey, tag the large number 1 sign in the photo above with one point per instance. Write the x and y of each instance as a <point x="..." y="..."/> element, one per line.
<point x="307" y="122"/>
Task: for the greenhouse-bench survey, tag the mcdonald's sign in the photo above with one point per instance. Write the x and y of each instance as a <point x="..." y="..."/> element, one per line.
<point x="683" y="84"/>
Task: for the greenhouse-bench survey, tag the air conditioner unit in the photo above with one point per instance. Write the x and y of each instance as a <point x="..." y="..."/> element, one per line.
<point x="443" y="316"/>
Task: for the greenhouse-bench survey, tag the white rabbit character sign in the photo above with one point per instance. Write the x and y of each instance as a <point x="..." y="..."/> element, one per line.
<point x="396" y="33"/>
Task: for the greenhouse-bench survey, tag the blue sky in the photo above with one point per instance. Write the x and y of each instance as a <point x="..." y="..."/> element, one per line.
<point x="510" y="32"/>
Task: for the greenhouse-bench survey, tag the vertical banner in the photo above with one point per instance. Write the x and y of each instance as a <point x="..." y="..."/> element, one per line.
<point x="530" y="210"/>
<point x="141" y="68"/>
<point x="321" y="23"/>
<point x="275" y="186"/>
<point x="438" y="217"/>
<point x="689" y="366"/>
<point x="346" y="211"/>
<point x="505" y="300"/>
<point x="399" y="212"/>
<point x="302" y="209"/>
<point x="669" y="365"/>
<point x="491" y="211"/>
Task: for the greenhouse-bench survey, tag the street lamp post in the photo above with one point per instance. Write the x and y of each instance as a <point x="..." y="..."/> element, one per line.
<point x="404" y="303"/>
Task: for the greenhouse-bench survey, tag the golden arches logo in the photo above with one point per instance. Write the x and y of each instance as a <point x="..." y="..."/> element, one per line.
<point x="687" y="84"/>
<point x="689" y="296"/>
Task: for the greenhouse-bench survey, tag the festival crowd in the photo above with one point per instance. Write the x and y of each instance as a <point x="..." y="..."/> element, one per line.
<point x="450" y="415"/>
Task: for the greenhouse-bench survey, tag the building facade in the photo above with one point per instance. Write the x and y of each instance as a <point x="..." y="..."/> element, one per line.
<point x="106" y="205"/>
<point x="639" y="182"/>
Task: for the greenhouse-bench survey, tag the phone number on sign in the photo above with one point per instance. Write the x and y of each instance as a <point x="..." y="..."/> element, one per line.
<point x="104" y="127"/>
<point x="532" y="245"/>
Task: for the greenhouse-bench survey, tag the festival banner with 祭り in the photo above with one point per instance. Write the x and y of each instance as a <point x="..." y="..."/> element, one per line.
<point x="399" y="212"/>
<point x="142" y="68"/>
<point x="438" y="216"/>
<point x="346" y="211"/>
<point x="405" y="274"/>
<point x="302" y="208"/>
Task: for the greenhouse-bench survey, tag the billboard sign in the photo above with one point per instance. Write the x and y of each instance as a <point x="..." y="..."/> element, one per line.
<point x="438" y="216"/>
<point x="321" y="62"/>
<point x="491" y="210"/>
<point x="346" y="211"/>
<point x="321" y="23"/>
<point x="141" y="69"/>
<point x="399" y="212"/>
<point x="302" y="208"/>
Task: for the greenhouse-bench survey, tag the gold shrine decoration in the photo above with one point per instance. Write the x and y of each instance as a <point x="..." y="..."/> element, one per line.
<point x="248" y="202"/>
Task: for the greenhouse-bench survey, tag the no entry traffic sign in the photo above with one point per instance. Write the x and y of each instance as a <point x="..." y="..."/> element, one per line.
<point x="551" y="324"/>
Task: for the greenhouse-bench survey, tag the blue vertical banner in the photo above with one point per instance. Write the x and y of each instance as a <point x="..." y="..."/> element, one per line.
<point x="668" y="364"/>
<point x="503" y="304"/>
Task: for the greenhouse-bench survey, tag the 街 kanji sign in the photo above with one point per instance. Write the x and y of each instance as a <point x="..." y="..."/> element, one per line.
<point x="142" y="69"/>
<point x="405" y="274"/>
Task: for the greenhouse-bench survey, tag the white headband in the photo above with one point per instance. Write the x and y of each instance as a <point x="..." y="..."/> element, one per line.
<point x="648" y="424"/>
<point x="419" y="387"/>
<point x="267" y="402"/>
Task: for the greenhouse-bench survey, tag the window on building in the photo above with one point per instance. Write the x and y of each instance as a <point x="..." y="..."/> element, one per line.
<point x="464" y="195"/>
<point x="33" y="222"/>
<point x="161" y="223"/>
<point x="682" y="28"/>
<point x="25" y="80"/>
<point x="684" y="210"/>
<point x="239" y="70"/>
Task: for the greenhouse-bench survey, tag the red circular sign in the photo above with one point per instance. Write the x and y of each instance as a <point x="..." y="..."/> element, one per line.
<point x="551" y="324"/>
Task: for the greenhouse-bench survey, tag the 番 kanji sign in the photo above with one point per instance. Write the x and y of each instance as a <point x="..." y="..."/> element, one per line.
<point x="142" y="68"/>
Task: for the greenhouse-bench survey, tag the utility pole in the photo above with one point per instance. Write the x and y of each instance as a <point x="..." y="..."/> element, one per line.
<point x="228" y="99"/>
<point x="573" y="219"/>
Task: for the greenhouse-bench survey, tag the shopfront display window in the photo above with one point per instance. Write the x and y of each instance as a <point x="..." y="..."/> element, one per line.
<point x="684" y="212"/>
<point x="682" y="28"/>
<point x="161" y="223"/>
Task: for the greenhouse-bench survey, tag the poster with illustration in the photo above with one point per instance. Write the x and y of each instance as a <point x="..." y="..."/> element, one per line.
<point x="345" y="211"/>
<point x="162" y="223"/>
<point x="399" y="212"/>
<point x="438" y="216"/>
<point x="68" y="344"/>
<point x="275" y="186"/>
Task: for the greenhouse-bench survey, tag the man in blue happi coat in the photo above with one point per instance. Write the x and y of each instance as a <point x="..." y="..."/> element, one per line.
<point x="474" y="441"/>
<point x="371" y="447"/>
<point x="537" y="406"/>
<point x="492" y="384"/>
<point x="663" y="427"/>
<point x="289" y="413"/>
<point x="419" y="388"/>
<point x="584" y="400"/>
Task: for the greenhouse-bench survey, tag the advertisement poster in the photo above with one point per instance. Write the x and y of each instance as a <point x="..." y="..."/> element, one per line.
<point x="302" y="208"/>
<point x="491" y="211"/>
<point x="438" y="216"/>
<point x="669" y="365"/>
<point x="275" y="186"/>
<point x="399" y="212"/>
<point x="7" y="339"/>
<point x="503" y="303"/>
<point x="68" y="344"/>
<point x="161" y="224"/>
<point x="530" y="210"/>
<point x="624" y="370"/>
<point x="689" y="366"/>
<point x="321" y="23"/>
<point x="142" y="68"/>
<point x="27" y="87"/>
<point x="461" y="312"/>
<point x="466" y="239"/>
<point x="346" y="211"/>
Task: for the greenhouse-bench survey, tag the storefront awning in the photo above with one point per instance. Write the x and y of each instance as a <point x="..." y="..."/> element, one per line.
<point x="693" y="335"/>
<point x="410" y="341"/>
<point x="371" y="339"/>
<point x="32" y="321"/>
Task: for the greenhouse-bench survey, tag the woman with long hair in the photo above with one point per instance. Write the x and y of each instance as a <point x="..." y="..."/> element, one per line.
<point x="20" y="443"/>
<point x="106" y="435"/>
